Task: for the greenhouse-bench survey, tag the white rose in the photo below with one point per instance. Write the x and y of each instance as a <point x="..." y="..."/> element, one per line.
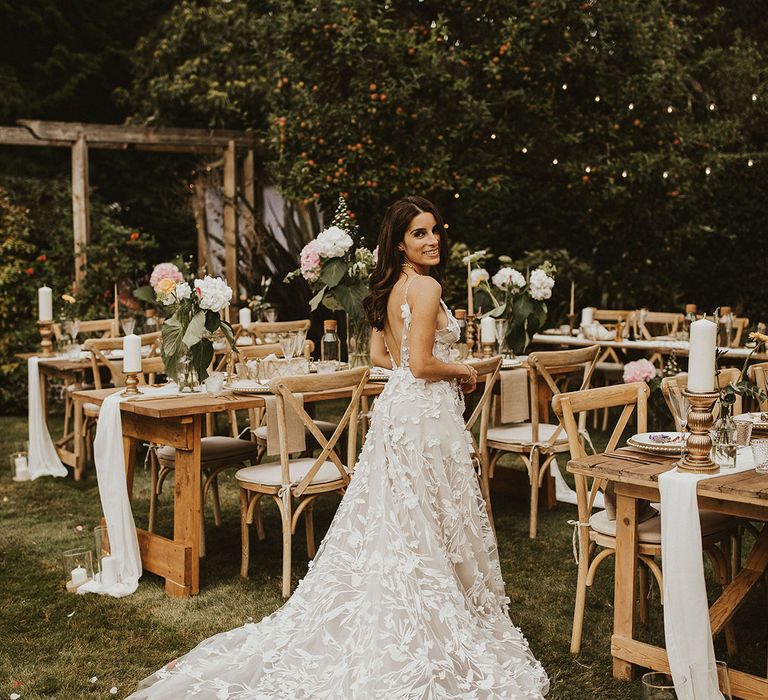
<point x="183" y="291"/>
<point x="477" y="276"/>
<point x="541" y="285"/>
<point x="213" y="292"/>
<point x="508" y="277"/>
<point x="333" y="242"/>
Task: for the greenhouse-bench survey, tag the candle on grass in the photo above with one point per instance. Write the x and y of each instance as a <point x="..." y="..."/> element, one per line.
<point x="79" y="576"/>
<point x="110" y="567"/>
<point x="45" y="303"/>
<point x="488" y="330"/>
<point x="22" y="468"/>
<point x="701" y="361"/>
<point x="131" y="353"/>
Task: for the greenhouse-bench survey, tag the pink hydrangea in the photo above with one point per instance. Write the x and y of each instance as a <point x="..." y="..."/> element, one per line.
<point x="639" y="371"/>
<point x="310" y="262"/>
<point x="165" y="271"/>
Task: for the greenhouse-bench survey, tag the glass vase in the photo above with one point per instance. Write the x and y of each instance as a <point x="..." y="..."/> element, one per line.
<point x="502" y="331"/>
<point x="724" y="443"/>
<point x="186" y="377"/>
<point x="358" y="342"/>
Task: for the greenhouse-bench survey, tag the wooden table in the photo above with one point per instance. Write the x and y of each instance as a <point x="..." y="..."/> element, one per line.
<point x="70" y="372"/>
<point x="636" y="477"/>
<point x="178" y="422"/>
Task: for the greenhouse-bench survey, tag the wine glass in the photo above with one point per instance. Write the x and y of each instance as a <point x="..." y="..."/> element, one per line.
<point x="128" y="323"/>
<point x="299" y="338"/>
<point x="681" y="407"/>
<point x="288" y="344"/>
<point x="72" y="329"/>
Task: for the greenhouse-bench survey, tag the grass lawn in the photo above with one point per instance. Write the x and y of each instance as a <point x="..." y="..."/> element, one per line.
<point x="54" y="643"/>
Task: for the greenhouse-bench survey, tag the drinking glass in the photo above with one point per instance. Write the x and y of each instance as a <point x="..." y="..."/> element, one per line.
<point x="72" y="328"/>
<point x="658" y="686"/>
<point x="270" y="315"/>
<point x="301" y="336"/>
<point x="760" y="455"/>
<point x="214" y="383"/>
<point x="288" y="344"/>
<point x="128" y="323"/>
<point x="743" y="431"/>
<point x="723" y="680"/>
<point x="501" y="336"/>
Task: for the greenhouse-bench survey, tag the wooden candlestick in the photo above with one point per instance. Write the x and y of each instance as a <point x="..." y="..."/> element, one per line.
<point x="699" y="443"/>
<point x="46" y="331"/>
<point x="131" y="384"/>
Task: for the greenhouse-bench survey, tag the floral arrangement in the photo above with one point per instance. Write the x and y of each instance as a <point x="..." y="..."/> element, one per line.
<point x="639" y="371"/>
<point x="258" y="302"/>
<point x="195" y="307"/>
<point x="337" y="270"/>
<point x="517" y="298"/>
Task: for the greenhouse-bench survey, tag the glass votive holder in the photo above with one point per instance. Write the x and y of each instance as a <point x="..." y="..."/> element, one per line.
<point x="658" y="686"/>
<point x="743" y="431"/>
<point x="326" y="366"/>
<point x="73" y="351"/>
<point x="214" y="383"/>
<point x="20" y="466"/>
<point x="109" y="570"/>
<point x="78" y="567"/>
<point x="760" y="455"/>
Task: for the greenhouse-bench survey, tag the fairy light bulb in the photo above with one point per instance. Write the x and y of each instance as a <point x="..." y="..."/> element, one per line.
<point x="750" y="163"/>
<point x="554" y="161"/>
<point x="707" y="170"/>
<point x="624" y="173"/>
<point x="665" y="174"/>
<point x="524" y="150"/>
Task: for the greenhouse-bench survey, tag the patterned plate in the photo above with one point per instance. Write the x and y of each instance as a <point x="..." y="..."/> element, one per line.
<point x="759" y="420"/>
<point x="379" y="376"/>
<point x="658" y="443"/>
<point x="246" y="386"/>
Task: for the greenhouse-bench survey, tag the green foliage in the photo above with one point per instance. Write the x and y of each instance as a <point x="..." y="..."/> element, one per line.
<point x="534" y="126"/>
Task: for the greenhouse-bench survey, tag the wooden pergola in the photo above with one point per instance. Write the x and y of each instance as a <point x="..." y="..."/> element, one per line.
<point x="79" y="137"/>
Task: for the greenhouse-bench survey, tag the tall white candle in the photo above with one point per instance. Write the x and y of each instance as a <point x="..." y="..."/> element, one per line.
<point x="79" y="576"/>
<point x="245" y="316"/>
<point x="132" y="353"/>
<point x="109" y="570"/>
<point x="587" y="315"/>
<point x="701" y="361"/>
<point x="488" y="330"/>
<point x="45" y="303"/>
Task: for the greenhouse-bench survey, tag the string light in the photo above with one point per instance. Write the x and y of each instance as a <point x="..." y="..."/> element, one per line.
<point x="493" y="136"/>
<point x="624" y="173"/>
<point x="565" y="86"/>
<point x="711" y="106"/>
<point x="665" y="174"/>
<point x="554" y="161"/>
<point x="597" y="98"/>
<point x="455" y="195"/>
<point x="587" y="169"/>
<point x="707" y="170"/>
<point x="524" y="150"/>
<point x="670" y="109"/>
<point x="750" y="163"/>
<point x="631" y="106"/>
<point x="754" y="97"/>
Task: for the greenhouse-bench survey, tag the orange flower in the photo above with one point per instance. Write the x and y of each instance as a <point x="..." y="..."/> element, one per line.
<point x="68" y="298"/>
<point x="135" y="236"/>
<point x="30" y="271"/>
<point x="41" y="258"/>
<point x="759" y="337"/>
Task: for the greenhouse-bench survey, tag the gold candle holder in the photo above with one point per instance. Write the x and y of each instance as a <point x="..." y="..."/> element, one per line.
<point x="470" y="334"/>
<point x="699" y="443"/>
<point x="488" y="349"/>
<point x="131" y="384"/>
<point x="46" y="331"/>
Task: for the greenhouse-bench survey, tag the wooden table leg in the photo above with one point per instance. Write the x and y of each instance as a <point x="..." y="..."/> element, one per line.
<point x="624" y="585"/>
<point x="129" y="453"/>
<point x="44" y="394"/>
<point x="187" y="509"/>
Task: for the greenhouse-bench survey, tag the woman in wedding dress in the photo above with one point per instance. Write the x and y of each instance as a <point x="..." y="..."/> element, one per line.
<point x="405" y="597"/>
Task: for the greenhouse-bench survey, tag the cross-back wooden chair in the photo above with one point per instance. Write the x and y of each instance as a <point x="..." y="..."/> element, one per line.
<point x="106" y="327"/>
<point x="100" y="347"/>
<point x="598" y="530"/>
<point x="265" y="331"/>
<point x="740" y="324"/>
<point x="665" y="323"/>
<point x="537" y="439"/>
<point x="488" y="372"/>
<point x="759" y="375"/>
<point x="302" y="480"/>
<point x="724" y="378"/>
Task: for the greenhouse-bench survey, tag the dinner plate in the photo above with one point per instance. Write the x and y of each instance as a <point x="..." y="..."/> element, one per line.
<point x="670" y="443"/>
<point x="511" y="362"/>
<point x="246" y="386"/>
<point x="379" y="376"/>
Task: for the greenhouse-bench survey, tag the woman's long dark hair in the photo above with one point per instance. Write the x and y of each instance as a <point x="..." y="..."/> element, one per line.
<point x="390" y="259"/>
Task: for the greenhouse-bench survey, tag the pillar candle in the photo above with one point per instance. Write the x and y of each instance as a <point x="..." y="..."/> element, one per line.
<point x="488" y="330"/>
<point x="110" y="570"/>
<point x="245" y="317"/>
<point x="701" y="362"/>
<point x="470" y="302"/>
<point x="587" y="315"/>
<point x="45" y="303"/>
<point x="22" y="468"/>
<point x="570" y="311"/>
<point x="79" y="576"/>
<point x="132" y="353"/>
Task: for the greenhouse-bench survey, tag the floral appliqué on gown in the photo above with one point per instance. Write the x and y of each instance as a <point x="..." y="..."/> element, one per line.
<point x="404" y="598"/>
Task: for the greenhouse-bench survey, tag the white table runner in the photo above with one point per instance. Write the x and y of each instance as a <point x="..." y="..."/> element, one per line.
<point x="687" y="630"/>
<point x="113" y="492"/>
<point x="43" y="459"/>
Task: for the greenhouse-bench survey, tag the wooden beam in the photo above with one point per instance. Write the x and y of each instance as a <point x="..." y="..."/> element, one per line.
<point x="122" y="136"/>
<point x="230" y="217"/>
<point x="80" y="215"/>
<point x="19" y="136"/>
<point x="201" y="224"/>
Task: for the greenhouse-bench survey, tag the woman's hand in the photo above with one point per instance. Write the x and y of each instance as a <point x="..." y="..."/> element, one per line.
<point x="469" y="383"/>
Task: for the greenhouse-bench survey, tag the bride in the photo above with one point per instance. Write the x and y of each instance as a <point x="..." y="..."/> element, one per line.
<point x="405" y="598"/>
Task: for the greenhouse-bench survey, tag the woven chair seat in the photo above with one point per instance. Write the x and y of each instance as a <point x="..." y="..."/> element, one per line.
<point x="271" y="474"/>
<point x="215" y="450"/>
<point x="522" y="433"/>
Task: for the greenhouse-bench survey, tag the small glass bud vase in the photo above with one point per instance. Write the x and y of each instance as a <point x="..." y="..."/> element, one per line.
<point x="724" y="442"/>
<point x="78" y="567"/>
<point x="186" y="377"/>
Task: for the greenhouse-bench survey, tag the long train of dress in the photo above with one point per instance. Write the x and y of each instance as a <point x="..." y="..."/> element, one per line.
<point x="405" y="597"/>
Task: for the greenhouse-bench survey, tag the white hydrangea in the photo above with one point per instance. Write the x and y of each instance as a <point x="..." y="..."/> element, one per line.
<point x="541" y="285"/>
<point x="508" y="277"/>
<point x="479" y="275"/>
<point x="183" y="291"/>
<point x="213" y="292"/>
<point x="333" y="242"/>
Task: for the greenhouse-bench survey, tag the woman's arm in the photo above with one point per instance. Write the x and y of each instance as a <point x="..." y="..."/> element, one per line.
<point x="379" y="355"/>
<point x="424" y="295"/>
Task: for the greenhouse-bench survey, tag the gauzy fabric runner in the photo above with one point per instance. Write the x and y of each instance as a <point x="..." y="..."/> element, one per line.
<point x="43" y="458"/>
<point x="113" y="492"/>
<point x="687" y="630"/>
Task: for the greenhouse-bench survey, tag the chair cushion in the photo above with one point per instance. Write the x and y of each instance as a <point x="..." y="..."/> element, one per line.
<point x="521" y="433"/>
<point x="91" y="408"/>
<point x="649" y="531"/>
<point x="216" y="450"/>
<point x="326" y="428"/>
<point x="271" y="474"/>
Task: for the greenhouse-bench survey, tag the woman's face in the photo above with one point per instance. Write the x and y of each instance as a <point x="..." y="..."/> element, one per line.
<point x="421" y="242"/>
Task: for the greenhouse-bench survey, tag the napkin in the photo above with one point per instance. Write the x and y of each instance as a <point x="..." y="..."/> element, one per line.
<point x="515" y="407"/>
<point x="296" y="438"/>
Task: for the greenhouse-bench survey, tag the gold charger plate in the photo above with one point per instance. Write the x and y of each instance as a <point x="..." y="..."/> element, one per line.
<point x="246" y="387"/>
<point x="647" y="443"/>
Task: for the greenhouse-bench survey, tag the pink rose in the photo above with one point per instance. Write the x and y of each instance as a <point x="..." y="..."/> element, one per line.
<point x="310" y="262"/>
<point x="639" y="371"/>
<point x="165" y="271"/>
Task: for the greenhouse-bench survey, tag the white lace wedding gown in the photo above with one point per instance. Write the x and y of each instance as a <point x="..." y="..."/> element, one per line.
<point x="405" y="598"/>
